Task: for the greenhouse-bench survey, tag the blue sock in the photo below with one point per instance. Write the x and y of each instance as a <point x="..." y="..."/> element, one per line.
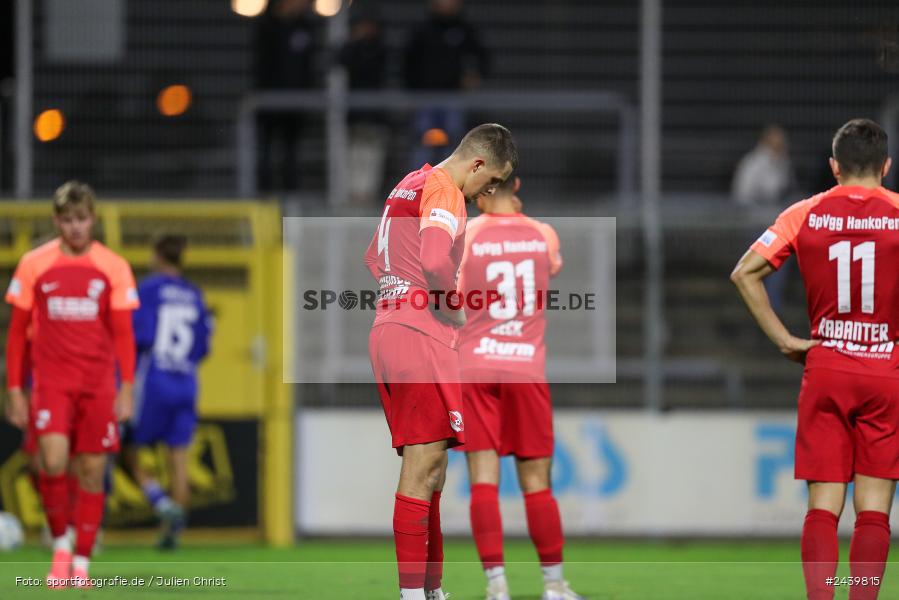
<point x="155" y="495"/>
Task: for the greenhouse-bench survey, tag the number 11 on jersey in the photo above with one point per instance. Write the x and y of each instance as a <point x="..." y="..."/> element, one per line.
<point x="864" y="252"/>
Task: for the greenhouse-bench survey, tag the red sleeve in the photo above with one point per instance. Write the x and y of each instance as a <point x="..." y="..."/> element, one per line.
<point x="779" y="241"/>
<point x="123" y="341"/>
<point x="16" y="342"/>
<point x="436" y="262"/>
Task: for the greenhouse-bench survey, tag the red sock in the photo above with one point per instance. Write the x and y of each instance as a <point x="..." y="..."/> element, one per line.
<point x="410" y="534"/>
<point x="74" y="486"/>
<point x="545" y="526"/>
<point x="55" y="495"/>
<point x="868" y="552"/>
<point x="88" y="515"/>
<point x="820" y="553"/>
<point x="434" y="572"/>
<point x="487" y="524"/>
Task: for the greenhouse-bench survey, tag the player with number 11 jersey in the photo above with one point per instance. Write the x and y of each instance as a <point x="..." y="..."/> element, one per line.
<point x="846" y="242"/>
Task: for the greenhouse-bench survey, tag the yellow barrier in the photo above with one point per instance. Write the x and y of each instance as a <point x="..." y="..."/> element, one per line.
<point x="235" y="255"/>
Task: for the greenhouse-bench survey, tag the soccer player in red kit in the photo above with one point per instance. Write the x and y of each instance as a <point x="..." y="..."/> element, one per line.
<point x="506" y="268"/>
<point x="847" y="245"/>
<point x="78" y="296"/>
<point x="415" y="255"/>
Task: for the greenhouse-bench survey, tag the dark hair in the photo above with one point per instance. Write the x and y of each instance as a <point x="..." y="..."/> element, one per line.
<point x="860" y="148"/>
<point x="493" y="141"/>
<point x="73" y="193"/>
<point x="507" y="187"/>
<point x="170" y="247"/>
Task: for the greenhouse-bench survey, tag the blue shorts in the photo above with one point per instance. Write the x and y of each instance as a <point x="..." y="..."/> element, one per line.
<point x="163" y="417"/>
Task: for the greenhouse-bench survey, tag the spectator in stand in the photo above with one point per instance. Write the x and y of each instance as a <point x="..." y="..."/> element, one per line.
<point x="765" y="175"/>
<point x="287" y="44"/>
<point x="365" y="58"/>
<point x="444" y="54"/>
<point x="765" y="178"/>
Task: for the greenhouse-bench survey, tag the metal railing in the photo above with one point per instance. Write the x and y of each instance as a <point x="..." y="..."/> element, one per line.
<point x="336" y="107"/>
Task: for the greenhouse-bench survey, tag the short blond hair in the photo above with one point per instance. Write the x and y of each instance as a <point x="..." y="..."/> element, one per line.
<point x="73" y="193"/>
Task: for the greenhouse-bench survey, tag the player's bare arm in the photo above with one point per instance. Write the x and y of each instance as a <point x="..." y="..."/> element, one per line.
<point x="124" y="402"/>
<point x="17" y="408"/>
<point x="748" y="276"/>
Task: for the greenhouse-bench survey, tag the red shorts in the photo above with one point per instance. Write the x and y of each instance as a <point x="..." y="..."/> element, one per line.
<point x="418" y="381"/>
<point x="511" y="417"/>
<point x="86" y="418"/>
<point x="848" y="424"/>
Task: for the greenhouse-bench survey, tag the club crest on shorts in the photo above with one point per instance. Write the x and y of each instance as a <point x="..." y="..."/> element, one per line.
<point x="456" y="421"/>
<point x="43" y="419"/>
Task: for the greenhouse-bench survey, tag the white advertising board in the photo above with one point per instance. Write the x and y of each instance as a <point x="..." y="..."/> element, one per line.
<point x="614" y="473"/>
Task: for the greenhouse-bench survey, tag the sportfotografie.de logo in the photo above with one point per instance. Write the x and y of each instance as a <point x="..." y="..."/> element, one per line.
<point x="419" y="299"/>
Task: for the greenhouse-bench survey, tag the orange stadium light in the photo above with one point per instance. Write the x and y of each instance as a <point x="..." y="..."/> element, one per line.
<point x="174" y="100"/>
<point x="49" y="125"/>
<point x="435" y="137"/>
<point x="249" y="8"/>
<point x="327" y="8"/>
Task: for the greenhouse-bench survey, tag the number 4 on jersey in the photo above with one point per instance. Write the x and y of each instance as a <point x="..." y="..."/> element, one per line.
<point x="383" y="235"/>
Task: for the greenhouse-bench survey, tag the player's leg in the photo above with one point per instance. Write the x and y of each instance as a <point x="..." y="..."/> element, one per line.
<point x="434" y="568"/>
<point x="873" y="499"/>
<point x="529" y="435"/>
<point x="52" y="410"/>
<point x="95" y="435"/>
<point x="53" y="450"/>
<point x="422" y="469"/>
<point x="182" y="423"/>
<point x="483" y="435"/>
<point x="174" y="516"/>
<point x="819" y="544"/>
<point x="151" y="424"/>
<point x="876" y="469"/>
<point x="91" y="468"/>
<point x="486" y="518"/>
<point x="544" y="523"/>
<point x="421" y="407"/>
<point x="825" y="455"/>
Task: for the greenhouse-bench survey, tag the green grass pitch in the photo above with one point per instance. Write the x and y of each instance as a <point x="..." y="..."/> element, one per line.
<point x="320" y="569"/>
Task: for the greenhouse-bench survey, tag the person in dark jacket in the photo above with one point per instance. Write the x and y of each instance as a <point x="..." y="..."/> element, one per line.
<point x="444" y="53"/>
<point x="364" y="57"/>
<point x="287" y="44"/>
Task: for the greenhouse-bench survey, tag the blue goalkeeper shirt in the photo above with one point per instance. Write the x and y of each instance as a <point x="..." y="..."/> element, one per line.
<point x="171" y="330"/>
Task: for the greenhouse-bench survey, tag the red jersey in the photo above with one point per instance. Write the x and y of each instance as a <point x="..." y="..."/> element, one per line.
<point x="508" y="261"/>
<point x="70" y="298"/>
<point x="424" y="198"/>
<point x="846" y="241"/>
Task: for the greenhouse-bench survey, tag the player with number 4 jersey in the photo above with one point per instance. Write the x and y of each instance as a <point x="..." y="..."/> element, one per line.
<point x="846" y="241"/>
<point x="414" y="256"/>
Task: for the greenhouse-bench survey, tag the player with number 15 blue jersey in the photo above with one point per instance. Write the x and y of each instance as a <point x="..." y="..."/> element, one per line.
<point x="172" y="332"/>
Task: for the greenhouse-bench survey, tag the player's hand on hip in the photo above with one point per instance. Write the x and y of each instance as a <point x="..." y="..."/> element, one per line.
<point x="124" y="402"/>
<point x="796" y="348"/>
<point x="17" y="408"/>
